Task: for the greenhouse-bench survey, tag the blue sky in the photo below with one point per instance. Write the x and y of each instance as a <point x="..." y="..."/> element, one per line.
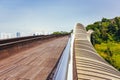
<point x="53" y="15"/>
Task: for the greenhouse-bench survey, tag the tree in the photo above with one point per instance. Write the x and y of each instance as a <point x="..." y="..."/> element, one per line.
<point x="105" y="30"/>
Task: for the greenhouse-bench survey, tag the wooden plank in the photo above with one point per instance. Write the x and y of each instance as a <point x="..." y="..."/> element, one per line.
<point x="35" y="63"/>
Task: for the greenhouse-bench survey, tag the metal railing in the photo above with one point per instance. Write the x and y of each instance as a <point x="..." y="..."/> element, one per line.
<point x="62" y="67"/>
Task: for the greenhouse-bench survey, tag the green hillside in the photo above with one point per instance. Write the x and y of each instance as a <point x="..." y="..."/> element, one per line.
<point x="106" y="39"/>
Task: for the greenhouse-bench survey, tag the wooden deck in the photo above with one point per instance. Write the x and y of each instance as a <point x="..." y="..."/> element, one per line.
<point x="33" y="64"/>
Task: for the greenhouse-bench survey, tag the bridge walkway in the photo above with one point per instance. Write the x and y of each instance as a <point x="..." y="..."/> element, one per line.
<point x="35" y="63"/>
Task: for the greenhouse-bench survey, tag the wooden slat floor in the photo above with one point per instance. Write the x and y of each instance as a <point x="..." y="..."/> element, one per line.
<point x="33" y="64"/>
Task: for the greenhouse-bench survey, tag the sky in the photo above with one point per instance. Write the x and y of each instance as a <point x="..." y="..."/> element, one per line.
<point x="53" y="15"/>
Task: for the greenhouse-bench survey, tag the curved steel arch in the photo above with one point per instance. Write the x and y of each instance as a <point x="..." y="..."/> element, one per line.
<point x="88" y="65"/>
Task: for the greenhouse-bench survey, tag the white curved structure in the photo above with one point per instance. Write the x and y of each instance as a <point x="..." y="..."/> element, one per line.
<point x="88" y="65"/>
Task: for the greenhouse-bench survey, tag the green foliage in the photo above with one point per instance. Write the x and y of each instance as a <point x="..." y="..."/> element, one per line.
<point x="71" y="31"/>
<point x="110" y="51"/>
<point x="61" y="32"/>
<point x="105" y="30"/>
<point x="106" y="39"/>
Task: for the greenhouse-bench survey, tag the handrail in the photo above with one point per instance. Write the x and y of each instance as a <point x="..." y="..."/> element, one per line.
<point x="70" y="67"/>
<point x="62" y="68"/>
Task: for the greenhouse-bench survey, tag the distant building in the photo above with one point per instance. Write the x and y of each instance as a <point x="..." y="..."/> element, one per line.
<point x="36" y="33"/>
<point x="5" y="35"/>
<point x="18" y="34"/>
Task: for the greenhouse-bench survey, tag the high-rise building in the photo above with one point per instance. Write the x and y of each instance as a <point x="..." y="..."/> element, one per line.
<point x="18" y="34"/>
